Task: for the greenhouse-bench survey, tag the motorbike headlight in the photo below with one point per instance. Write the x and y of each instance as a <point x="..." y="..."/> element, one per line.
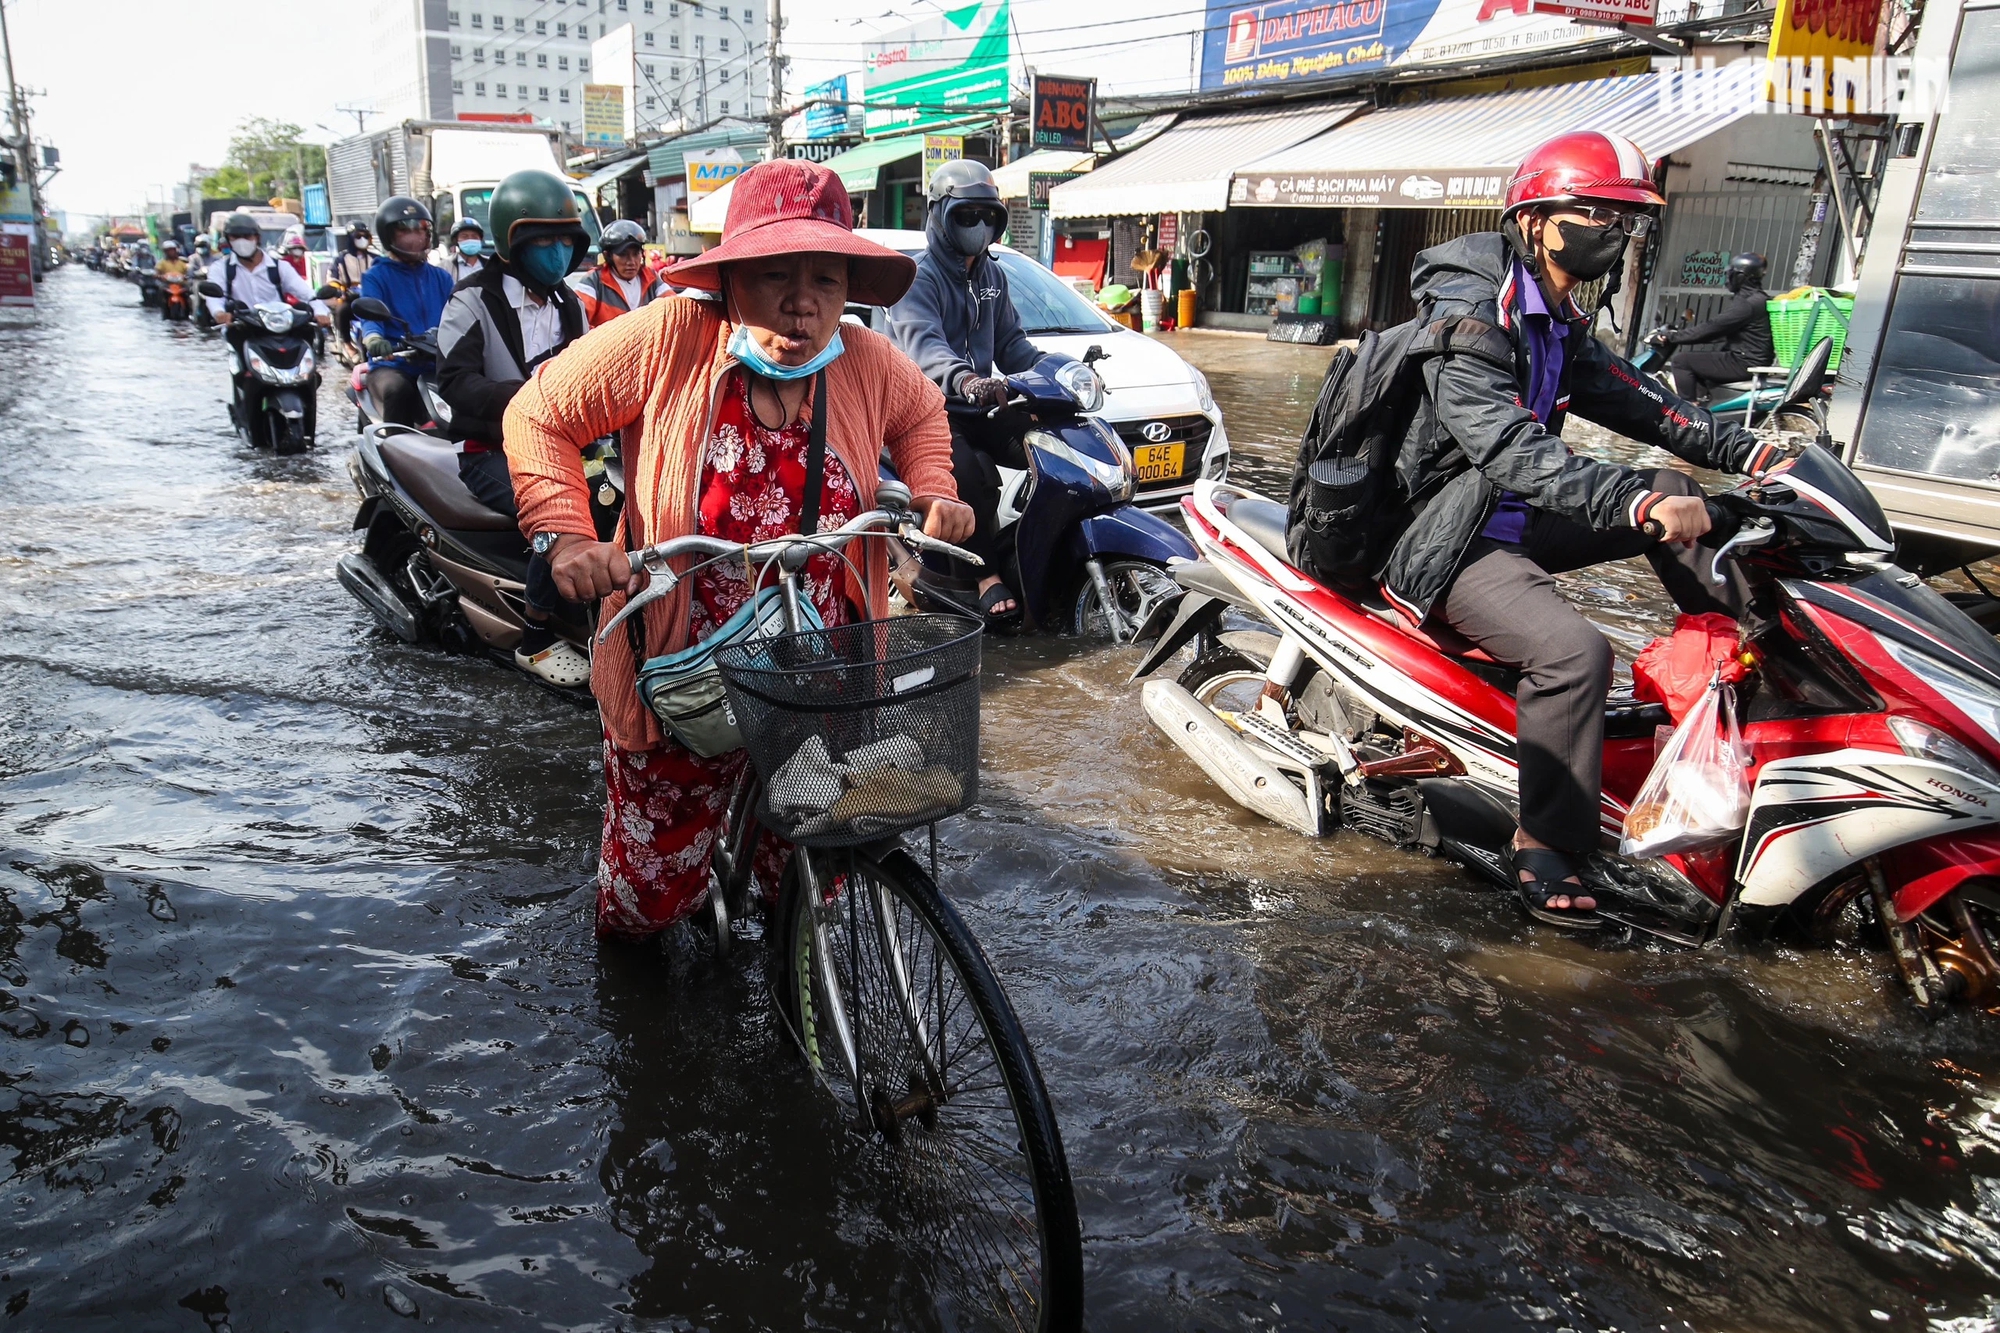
<point x="277" y="319"/>
<point x="1083" y="384"/>
<point x="1204" y="398"/>
<point x="1923" y="741"/>
<point x="1971" y="696"/>
<point x="1115" y="477"/>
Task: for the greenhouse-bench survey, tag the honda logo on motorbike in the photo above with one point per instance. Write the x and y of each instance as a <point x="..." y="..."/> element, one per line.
<point x="1156" y="432"/>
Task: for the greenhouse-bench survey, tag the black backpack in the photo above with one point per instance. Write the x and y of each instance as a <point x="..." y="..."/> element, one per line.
<point x="1347" y="506"/>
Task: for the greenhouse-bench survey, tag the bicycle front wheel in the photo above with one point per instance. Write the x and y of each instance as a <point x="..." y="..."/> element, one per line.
<point x="901" y="1016"/>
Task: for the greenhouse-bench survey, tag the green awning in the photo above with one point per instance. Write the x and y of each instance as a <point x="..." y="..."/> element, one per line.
<point x="667" y="160"/>
<point x="857" y="166"/>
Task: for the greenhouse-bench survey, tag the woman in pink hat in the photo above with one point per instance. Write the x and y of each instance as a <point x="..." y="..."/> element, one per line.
<point x="713" y="400"/>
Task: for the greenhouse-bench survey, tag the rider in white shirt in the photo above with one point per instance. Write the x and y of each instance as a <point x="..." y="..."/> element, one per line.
<point x="248" y="275"/>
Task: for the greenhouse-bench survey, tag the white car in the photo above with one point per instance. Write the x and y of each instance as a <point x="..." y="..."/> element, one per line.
<point x="1160" y="405"/>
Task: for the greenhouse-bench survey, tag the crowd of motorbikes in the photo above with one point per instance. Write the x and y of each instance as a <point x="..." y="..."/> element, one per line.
<point x="1870" y="708"/>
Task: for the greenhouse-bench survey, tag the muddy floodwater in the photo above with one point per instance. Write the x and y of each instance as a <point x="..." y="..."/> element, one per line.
<point x="302" y="1025"/>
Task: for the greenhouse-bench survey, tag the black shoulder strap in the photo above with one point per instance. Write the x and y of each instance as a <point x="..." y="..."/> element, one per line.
<point x="815" y="459"/>
<point x="229" y="284"/>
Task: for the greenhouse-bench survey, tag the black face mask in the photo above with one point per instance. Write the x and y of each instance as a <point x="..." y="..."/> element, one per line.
<point x="1588" y="252"/>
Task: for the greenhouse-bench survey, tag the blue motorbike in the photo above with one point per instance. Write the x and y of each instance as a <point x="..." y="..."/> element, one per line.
<point x="1079" y="555"/>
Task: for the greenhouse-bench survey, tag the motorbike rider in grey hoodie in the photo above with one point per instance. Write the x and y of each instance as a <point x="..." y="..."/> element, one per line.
<point x="959" y="325"/>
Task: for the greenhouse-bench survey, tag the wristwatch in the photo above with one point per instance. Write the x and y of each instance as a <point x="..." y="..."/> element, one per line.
<point x="546" y="542"/>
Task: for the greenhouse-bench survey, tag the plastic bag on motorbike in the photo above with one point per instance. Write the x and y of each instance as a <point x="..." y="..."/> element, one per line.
<point x="1698" y="791"/>
<point x="1676" y="671"/>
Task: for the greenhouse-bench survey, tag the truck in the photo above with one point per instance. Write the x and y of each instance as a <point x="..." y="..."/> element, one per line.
<point x="451" y="165"/>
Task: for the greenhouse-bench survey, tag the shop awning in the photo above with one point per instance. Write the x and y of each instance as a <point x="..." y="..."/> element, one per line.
<point x="668" y="160"/>
<point x="1187" y="169"/>
<point x="603" y="176"/>
<point x="708" y="212"/>
<point x="857" y="166"/>
<point x="1460" y="152"/>
<point x="1013" y="178"/>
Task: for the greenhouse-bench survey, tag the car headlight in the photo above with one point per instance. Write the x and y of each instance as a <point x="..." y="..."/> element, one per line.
<point x="277" y="319"/>
<point x="1969" y="695"/>
<point x="1203" y="397"/>
<point x="1083" y="384"/>
<point x="1923" y="741"/>
<point x="1115" y="477"/>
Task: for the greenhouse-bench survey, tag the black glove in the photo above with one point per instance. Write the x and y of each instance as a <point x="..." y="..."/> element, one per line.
<point x="979" y="389"/>
<point x="377" y="346"/>
<point x="1660" y="337"/>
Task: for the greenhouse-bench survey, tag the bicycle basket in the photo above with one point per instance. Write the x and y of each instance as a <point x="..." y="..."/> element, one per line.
<point x="860" y="731"/>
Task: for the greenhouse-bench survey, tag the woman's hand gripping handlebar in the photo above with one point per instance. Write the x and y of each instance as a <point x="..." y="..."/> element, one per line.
<point x="893" y="518"/>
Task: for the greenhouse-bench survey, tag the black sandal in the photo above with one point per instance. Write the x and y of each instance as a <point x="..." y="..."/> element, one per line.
<point x="991" y="598"/>
<point x="1550" y="868"/>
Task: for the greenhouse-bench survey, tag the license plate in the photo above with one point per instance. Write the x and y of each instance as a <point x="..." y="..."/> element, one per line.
<point x="1159" y="462"/>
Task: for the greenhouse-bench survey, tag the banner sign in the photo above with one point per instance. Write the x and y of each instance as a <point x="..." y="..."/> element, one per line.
<point x="1802" y="29"/>
<point x="709" y="171"/>
<point x="1063" y="112"/>
<point x="603" y="115"/>
<point x="1640" y="13"/>
<point x="17" y="268"/>
<point x="940" y="149"/>
<point x="818" y="150"/>
<point x="1292" y="41"/>
<point x="16" y="203"/>
<point x="827" y="121"/>
<point x="938" y="70"/>
<point x="1041" y="182"/>
<point x="1461" y="187"/>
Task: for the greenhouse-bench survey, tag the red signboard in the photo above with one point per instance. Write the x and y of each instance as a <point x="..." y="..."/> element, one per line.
<point x="498" y="117"/>
<point x="1638" y="13"/>
<point x="17" y="272"/>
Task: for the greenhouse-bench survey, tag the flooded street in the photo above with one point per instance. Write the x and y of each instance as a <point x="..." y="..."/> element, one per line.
<point x="302" y="1025"/>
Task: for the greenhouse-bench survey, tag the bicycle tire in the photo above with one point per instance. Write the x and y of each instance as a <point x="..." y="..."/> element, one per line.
<point x="918" y="1141"/>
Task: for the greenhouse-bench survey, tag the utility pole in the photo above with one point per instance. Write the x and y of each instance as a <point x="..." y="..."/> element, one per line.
<point x="774" y="96"/>
<point x="360" y="114"/>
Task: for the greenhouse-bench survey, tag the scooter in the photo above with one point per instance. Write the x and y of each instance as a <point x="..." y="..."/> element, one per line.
<point x="412" y="350"/>
<point x="273" y="375"/>
<point x="1871" y="718"/>
<point x="1079" y="555"/>
<point x="1771" y="402"/>
<point x="438" y="567"/>
<point x="173" y="298"/>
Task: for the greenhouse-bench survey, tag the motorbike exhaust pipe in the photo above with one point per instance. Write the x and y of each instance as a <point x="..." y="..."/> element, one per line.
<point x="359" y="576"/>
<point x="1250" y="779"/>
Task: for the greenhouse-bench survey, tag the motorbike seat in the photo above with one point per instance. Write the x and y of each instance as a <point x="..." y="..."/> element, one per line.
<point x="1263" y="521"/>
<point x="427" y="468"/>
<point x="1444" y="641"/>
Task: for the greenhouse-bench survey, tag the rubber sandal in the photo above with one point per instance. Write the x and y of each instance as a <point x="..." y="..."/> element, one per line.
<point x="1549" y="868"/>
<point x="992" y="597"/>
<point x="558" y="664"/>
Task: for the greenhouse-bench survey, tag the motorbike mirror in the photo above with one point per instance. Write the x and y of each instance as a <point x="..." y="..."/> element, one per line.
<point x="1095" y="354"/>
<point x="210" y="289"/>
<point x="369" y="308"/>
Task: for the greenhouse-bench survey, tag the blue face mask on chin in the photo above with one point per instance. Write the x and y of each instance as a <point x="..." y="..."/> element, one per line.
<point x="545" y="265"/>
<point x="746" y="351"/>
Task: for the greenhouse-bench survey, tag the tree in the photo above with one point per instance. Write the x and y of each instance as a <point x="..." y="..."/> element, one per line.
<point x="266" y="159"/>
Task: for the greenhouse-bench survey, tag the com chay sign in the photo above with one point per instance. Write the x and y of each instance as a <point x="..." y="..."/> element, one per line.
<point x="1468" y="187"/>
<point x="1289" y="41"/>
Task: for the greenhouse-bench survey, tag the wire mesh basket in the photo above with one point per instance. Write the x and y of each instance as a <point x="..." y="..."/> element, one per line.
<point x="860" y="731"/>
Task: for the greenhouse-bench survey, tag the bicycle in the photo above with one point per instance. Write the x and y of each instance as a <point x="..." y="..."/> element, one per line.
<point x="878" y="979"/>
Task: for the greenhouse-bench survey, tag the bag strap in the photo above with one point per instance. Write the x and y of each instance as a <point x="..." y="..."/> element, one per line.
<point x="815" y="460"/>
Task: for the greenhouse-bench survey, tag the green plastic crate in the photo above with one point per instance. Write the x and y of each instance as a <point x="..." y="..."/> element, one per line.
<point x="1797" y="324"/>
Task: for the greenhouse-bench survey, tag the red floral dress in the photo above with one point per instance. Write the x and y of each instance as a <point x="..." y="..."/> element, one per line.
<point x="664" y="806"/>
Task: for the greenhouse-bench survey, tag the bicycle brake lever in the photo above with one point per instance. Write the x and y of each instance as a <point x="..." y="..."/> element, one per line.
<point x="918" y="538"/>
<point x="664" y="582"/>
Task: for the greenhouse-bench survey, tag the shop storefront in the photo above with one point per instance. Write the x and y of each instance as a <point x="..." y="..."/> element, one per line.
<point x="667" y="167"/>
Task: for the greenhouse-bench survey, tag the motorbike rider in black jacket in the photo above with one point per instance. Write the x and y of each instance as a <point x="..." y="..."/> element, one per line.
<point x="1742" y="327"/>
<point x="502" y="322"/>
<point x="958" y="323"/>
<point x="1500" y="503"/>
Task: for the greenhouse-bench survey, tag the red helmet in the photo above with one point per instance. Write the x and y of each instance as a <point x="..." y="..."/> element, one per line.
<point x="1583" y="165"/>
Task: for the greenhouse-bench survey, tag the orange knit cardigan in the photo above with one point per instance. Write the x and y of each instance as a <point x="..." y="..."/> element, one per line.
<point x="653" y="375"/>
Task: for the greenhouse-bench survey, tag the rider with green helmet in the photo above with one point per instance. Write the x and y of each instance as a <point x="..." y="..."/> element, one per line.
<point x="502" y="322"/>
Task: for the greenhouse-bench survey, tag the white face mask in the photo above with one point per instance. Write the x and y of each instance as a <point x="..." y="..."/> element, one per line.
<point x="244" y="247"/>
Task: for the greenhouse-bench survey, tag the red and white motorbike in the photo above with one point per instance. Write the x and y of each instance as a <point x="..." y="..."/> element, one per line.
<point x="1871" y="715"/>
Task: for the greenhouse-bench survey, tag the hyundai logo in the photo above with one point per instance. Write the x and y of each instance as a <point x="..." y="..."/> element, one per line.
<point x="1156" y="432"/>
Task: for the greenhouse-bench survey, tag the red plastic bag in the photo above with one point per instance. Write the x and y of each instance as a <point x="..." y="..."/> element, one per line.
<point x="1676" y="671"/>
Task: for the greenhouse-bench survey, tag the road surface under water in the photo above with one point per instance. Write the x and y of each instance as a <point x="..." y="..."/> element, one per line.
<point x="302" y="1025"/>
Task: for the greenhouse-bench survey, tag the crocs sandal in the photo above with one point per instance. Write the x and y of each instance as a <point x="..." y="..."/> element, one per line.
<point x="558" y="664"/>
<point x="1550" y="870"/>
<point x="991" y="598"/>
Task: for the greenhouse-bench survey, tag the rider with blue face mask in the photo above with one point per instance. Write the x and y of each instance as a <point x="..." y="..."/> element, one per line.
<point x="959" y="325"/>
<point x="503" y="322"/>
<point x="466" y="250"/>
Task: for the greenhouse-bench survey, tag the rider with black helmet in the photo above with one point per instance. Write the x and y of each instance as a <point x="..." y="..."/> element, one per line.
<point x="502" y="322"/>
<point x="1742" y="327"/>
<point x="959" y="325"/>
<point x="415" y="290"/>
<point x="468" y="249"/>
<point x="622" y="280"/>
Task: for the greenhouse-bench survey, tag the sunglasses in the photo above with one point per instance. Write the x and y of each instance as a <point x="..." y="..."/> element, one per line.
<point x="1606" y="215"/>
<point x="971" y="216"/>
